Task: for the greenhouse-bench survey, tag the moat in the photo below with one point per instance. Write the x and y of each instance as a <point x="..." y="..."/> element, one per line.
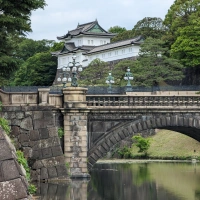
<point x="138" y="181"/>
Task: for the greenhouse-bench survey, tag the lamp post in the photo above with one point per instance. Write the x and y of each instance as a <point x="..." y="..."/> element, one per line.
<point x="63" y="77"/>
<point x="110" y="81"/>
<point x="128" y="76"/>
<point x="72" y="69"/>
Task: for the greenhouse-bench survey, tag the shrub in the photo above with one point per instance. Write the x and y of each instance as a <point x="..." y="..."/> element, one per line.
<point x="60" y="132"/>
<point x="124" y="152"/>
<point x="5" y="126"/>
<point x="142" y="143"/>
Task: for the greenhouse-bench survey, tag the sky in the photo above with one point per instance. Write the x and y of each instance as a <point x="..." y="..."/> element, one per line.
<point x="59" y="16"/>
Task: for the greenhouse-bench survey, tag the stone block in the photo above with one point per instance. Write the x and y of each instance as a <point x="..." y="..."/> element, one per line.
<point x="52" y="173"/>
<point x="37" y="154"/>
<point x="55" y="141"/>
<point x="44" y="133"/>
<point x="53" y="131"/>
<point x="19" y="115"/>
<point x="5" y="152"/>
<point x="38" y="123"/>
<point x="37" y="115"/>
<point x="2" y="137"/>
<point x="34" y="175"/>
<point x="61" y="170"/>
<point x="37" y="164"/>
<point x="27" y="123"/>
<point x="48" y="115"/>
<point x="23" y="138"/>
<point x="34" y="135"/>
<point x="46" y="153"/>
<point x="16" y="122"/>
<point x="13" y="189"/>
<point x="15" y="131"/>
<point x="9" y="170"/>
<point x="44" y="173"/>
<point x="57" y="151"/>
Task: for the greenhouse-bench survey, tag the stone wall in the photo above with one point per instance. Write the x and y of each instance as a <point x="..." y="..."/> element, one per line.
<point x="13" y="184"/>
<point x="34" y="131"/>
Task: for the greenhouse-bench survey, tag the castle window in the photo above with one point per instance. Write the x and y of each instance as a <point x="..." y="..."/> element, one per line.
<point x="88" y="41"/>
<point x="91" y="41"/>
<point x="116" y="52"/>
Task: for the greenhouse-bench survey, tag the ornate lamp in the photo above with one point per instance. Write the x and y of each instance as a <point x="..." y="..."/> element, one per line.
<point x="110" y="81"/>
<point x="72" y="69"/>
<point x="128" y="77"/>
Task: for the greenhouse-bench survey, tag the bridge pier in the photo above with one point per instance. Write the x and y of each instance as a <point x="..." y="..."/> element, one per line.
<point x="75" y="113"/>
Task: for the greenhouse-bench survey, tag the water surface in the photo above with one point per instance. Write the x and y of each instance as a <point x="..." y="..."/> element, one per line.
<point x="138" y="181"/>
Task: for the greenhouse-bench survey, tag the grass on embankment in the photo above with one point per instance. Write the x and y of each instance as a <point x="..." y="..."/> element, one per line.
<point x="167" y="144"/>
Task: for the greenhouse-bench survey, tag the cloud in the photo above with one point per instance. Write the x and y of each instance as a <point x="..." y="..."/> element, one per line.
<point x="63" y="15"/>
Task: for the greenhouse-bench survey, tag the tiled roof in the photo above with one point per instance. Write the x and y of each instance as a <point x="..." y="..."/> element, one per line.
<point x="136" y="40"/>
<point x="83" y="28"/>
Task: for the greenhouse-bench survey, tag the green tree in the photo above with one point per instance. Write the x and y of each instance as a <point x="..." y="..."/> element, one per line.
<point x="150" y="27"/>
<point x="142" y="143"/>
<point x="119" y="71"/>
<point x="38" y="70"/>
<point x="186" y="48"/>
<point x="116" y="29"/>
<point x="178" y="16"/>
<point x="95" y="73"/>
<point x="153" y="67"/>
<point x="125" y="35"/>
<point x="14" y="22"/>
<point x="28" y="47"/>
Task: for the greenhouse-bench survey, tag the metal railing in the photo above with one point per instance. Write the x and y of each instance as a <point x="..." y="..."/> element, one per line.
<point x="102" y="89"/>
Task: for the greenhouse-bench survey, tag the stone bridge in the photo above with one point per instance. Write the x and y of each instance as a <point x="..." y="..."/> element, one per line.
<point x="93" y="124"/>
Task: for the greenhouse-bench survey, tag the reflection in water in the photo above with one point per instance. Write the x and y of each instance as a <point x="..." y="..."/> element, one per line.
<point x="141" y="181"/>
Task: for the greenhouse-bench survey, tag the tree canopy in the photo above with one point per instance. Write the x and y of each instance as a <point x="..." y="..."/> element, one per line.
<point x="14" y="22"/>
<point x="116" y="29"/>
<point x="186" y="48"/>
<point x="95" y="73"/>
<point x="150" y="27"/>
<point x="38" y="70"/>
<point x="153" y="67"/>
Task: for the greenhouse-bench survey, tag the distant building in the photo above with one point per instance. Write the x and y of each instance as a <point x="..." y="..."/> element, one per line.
<point x="90" y="41"/>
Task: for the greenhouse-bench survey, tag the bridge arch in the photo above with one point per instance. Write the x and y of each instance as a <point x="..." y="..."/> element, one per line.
<point x="188" y="124"/>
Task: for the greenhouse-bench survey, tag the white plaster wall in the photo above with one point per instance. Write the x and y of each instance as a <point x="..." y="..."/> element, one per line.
<point x="116" y="54"/>
<point x="89" y="41"/>
<point x="63" y="60"/>
<point x="106" y="56"/>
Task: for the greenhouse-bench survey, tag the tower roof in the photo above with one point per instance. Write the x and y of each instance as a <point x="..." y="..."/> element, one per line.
<point x="90" y="28"/>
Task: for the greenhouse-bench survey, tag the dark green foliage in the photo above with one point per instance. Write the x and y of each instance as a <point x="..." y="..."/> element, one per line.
<point x="178" y="17"/>
<point x="120" y="69"/>
<point x="60" y="132"/>
<point x="116" y="29"/>
<point x="153" y="67"/>
<point x="150" y="27"/>
<point x="28" y="47"/>
<point x="124" y="152"/>
<point x="38" y="70"/>
<point x="123" y="36"/>
<point x="186" y="48"/>
<point x="95" y="73"/>
<point x="14" y="22"/>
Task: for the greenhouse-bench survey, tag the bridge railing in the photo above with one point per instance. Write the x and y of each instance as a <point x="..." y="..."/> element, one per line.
<point x="123" y="100"/>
